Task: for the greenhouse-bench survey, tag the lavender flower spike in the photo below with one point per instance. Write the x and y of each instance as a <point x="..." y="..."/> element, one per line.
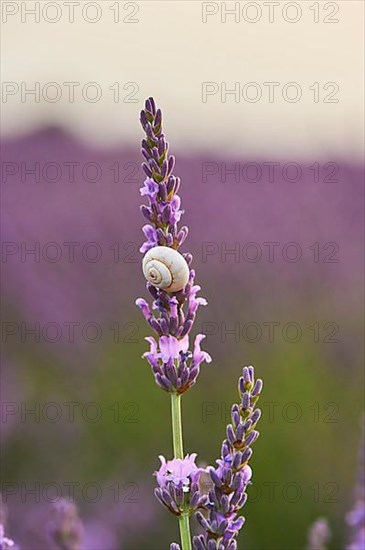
<point x="356" y="518"/>
<point x="5" y="542"/>
<point x="172" y="314"/>
<point x="170" y="280"/>
<point x="318" y="535"/>
<point x="232" y="475"/>
<point x="65" y="528"/>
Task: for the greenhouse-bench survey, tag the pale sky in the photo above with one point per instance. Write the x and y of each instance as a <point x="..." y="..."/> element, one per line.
<point x="185" y="54"/>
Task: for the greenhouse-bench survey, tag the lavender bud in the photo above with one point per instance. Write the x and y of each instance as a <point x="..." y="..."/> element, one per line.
<point x="187" y="327"/>
<point x="148" y="106"/>
<point x="145" y="147"/>
<point x="251" y="438"/>
<point x="169" y="240"/>
<point x="230" y="434"/>
<point x="215" y="478"/>
<point x="166" y="213"/>
<point x="198" y="543"/>
<point x="225" y="449"/>
<point x="170" y="184"/>
<point x="143" y="119"/>
<point x="246" y="455"/>
<point x="240" y="430"/>
<point x="246" y="374"/>
<point x="182" y="234"/>
<point x="225" y="504"/>
<point x="149" y="131"/>
<point x="163" y="382"/>
<point x="158" y="118"/>
<point x="236" y="419"/>
<point x="245" y="400"/>
<point x="177" y="185"/>
<point x="255" y="416"/>
<point x="171" y="164"/>
<point x="155" y="154"/>
<point x="147" y="169"/>
<point x="146" y="155"/>
<point x="154" y="166"/>
<point x="237" y="461"/>
<point x="161" y="145"/>
<point x="146" y="212"/>
<point x="164" y="169"/>
<point x="257" y="388"/>
<point x="193" y="374"/>
<point x="201" y="519"/>
<point x="153" y="105"/>
<point x="161" y="237"/>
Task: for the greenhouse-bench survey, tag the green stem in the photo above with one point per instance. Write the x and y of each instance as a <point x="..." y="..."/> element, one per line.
<point x="185" y="531"/>
<point x="177" y="425"/>
<point x="177" y="438"/>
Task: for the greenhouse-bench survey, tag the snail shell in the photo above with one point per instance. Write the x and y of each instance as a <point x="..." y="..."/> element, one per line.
<point x="165" y="268"/>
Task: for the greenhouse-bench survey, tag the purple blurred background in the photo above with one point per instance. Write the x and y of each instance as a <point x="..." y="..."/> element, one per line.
<point x="76" y="352"/>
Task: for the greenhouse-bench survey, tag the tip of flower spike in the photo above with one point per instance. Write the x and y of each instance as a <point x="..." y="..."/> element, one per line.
<point x="151" y="105"/>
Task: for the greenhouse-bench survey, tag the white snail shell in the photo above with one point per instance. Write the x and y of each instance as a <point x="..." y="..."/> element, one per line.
<point x="165" y="268"/>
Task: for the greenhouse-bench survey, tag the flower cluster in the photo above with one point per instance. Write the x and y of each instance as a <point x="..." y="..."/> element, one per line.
<point x="5" y="542"/>
<point x="356" y="517"/>
<point x="318" y="535"/>
<point x="161" y="187"/>
<point x="356" y="520"/>
<point x="175" y="368"/>
<point x="232" y="475"/>
<point x="65" y="528"/>
<point x="178" y="481"/>
<point x="173" y="313"/>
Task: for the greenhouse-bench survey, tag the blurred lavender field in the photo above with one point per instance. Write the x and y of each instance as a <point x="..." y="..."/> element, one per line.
<point x="281" y="265"/>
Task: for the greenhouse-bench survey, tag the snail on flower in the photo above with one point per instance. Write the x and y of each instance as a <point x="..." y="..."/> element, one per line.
<point x="165" y="268"/>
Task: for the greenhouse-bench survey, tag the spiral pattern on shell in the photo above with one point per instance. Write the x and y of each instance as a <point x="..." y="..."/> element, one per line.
<point x="165" y="268"/>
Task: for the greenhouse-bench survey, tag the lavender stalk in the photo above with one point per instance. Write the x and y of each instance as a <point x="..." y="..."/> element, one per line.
<point x="5" y="542"/>
<point x="170" y="281"/>
<point x="232" y="476"/>
<point x="356" y="517"/>
<point x="319" y="535"/>
<point x="65" y="528"/>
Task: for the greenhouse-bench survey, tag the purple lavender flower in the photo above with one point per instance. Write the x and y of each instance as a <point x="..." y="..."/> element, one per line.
<point x="176" y="368"/>
<point x="175" y="303"/>
<point x="5" y="542"/>
<point x="169" y="352"/>
<point x="172" y="314"/>
<point x="356" y="517"/>
<point x="65" y="528"/>
<point x="356" y="521"/>
<point x="318" y="535"/>
<point x="178" y="481"/>
<point x="151" y="236"/>
<point x="232" y="475"/>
